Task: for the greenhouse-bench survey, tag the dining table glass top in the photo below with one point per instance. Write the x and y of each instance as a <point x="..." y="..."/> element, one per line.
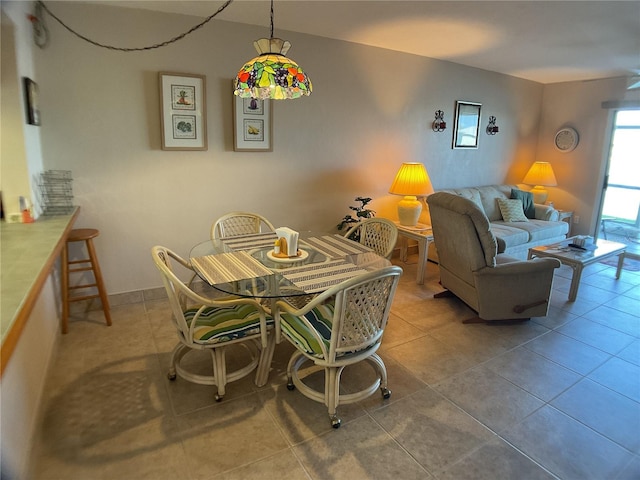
<point x="246" y="265"/>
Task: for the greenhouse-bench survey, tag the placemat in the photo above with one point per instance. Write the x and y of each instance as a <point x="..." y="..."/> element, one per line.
<point x="229" y="267"/>
<point x="318" y="277"/>
<point x="248" y="242"/>
<point x="336" y="246"/>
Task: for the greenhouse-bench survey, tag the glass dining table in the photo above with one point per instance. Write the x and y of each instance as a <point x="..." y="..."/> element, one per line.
<point x="247" y="266"/>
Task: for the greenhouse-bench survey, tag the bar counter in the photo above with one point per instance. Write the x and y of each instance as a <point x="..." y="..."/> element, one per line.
<point x="27" y="255"/>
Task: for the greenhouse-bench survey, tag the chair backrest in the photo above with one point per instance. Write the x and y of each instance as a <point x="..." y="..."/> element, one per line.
<point x="240" y="223"/>
<point x="379" y="234"/>
<point x="181" y="297"/>
<point x="361" y="307"/>
<point x="178" y="292"/>
<point x="462" y="234"/>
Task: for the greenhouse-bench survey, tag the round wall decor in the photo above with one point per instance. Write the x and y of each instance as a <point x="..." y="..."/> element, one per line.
<point x="566" y="139"/>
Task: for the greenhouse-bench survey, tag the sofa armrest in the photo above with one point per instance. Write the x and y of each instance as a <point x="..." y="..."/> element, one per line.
<point x="546" y="212"/>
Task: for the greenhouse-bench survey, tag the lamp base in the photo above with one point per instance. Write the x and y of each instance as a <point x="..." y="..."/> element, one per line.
<point x="409" y="209"/>
<point x="540" y="194"/>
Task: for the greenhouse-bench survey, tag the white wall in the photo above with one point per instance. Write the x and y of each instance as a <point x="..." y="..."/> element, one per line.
<point x="20" y="153"/>
<point x="580" y="173"/>
<point x="100" y="114"/>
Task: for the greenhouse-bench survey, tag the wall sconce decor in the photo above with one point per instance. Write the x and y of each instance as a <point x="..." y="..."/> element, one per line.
<point x="439" y="125"/>
<point x="492" y="128"/>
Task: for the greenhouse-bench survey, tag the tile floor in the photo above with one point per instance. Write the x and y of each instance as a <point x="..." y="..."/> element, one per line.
<point x="556" y="397"/>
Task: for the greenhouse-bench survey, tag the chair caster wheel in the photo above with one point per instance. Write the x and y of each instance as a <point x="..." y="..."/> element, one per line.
<point x="291" y="386"/>
<point x="335" y="422"/>
<point x="386" y="393"/>
<point x="218" y="398"/>
<point x="171" y="376"/>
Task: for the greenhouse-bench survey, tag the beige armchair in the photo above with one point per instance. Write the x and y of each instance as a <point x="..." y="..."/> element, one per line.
<point x="496" y="286"/>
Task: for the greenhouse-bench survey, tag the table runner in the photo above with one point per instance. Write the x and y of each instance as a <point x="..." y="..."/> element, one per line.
<point x="229" y="267"/>
<point x="248" y="242"/>
<point x="336" y="246"/>
<point x="318" y="277"/>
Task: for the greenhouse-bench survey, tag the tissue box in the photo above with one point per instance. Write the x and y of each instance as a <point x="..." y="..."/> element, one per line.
<point x="288" y="241"/>
<point x="583" y="241"/>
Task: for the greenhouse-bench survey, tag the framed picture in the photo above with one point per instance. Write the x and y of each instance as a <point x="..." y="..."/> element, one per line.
<point x="31" y="101"/>
<point x="183" y="111"/>
<point x="466" y="125"/>
<point x="252" y="125"/>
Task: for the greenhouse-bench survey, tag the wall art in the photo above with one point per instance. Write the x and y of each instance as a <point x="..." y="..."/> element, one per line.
<point x="253" y="120"/>
<point x="183" y="111"/>
<point x="31" y="101"/>
<point x="466" y="125"/>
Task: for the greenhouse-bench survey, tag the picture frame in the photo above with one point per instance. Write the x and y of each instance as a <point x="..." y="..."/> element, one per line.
<point x="183" y="105"/>
<point x="252" y="125"/>
<point x="467" y="124"/>
<point x="31" y="101"/>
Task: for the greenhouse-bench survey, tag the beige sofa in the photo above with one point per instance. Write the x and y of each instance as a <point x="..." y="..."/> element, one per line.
<point x="515" y="238"/>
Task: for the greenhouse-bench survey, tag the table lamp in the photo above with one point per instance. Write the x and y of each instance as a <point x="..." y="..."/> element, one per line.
<point x="540" y="175"/>
<point x="411" y="181"/>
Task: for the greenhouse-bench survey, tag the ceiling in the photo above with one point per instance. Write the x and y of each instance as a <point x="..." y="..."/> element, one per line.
<point x="543" y="41"/>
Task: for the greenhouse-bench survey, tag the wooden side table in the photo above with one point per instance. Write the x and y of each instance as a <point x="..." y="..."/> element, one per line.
<point x="424" y="236"/>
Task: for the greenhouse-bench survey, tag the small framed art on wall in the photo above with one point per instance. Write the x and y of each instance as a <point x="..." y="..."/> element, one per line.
<point x="252" y="125"/>
<point x="466" y="125"/>
<point x="183" y="111"/>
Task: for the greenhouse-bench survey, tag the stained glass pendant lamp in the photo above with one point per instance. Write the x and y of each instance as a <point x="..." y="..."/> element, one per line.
<point x="271" y="74"/>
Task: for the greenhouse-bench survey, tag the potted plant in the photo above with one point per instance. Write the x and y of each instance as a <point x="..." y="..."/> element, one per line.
<point x="361" y="213"/>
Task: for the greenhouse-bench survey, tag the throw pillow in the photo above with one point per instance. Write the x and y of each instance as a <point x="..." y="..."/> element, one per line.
<point x="527" y="202"/>
<point x="511" y="210"/>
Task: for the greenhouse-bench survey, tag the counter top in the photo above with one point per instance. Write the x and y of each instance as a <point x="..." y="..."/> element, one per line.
<point x="27" y="254"/>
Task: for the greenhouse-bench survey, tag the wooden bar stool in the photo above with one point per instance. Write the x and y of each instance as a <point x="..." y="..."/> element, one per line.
<point x="88" y="264"/>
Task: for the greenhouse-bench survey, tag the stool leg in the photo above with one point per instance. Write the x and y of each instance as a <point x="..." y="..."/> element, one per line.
<point x="98" y="274"/>
<point x="64" y="281"/>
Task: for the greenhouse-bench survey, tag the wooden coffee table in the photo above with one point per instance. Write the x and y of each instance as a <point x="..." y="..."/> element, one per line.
<point x="577" y="259"/>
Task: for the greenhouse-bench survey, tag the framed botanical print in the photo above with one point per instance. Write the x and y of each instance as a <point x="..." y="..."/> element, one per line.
<point x="253" y="125"/>
<point x="466" y="125"/>
<point x="184" y="116"/>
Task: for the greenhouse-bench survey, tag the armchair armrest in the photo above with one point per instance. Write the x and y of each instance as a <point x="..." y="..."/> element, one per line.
<point x="518" y="289"/>
<point x="523" y="267"/>
<point x="546" y="212"/>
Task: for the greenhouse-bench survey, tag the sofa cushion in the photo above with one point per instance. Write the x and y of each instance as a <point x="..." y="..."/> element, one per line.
<point x="488" y="196"/>
<point x="470" y="194"/>
<point x="527" y="201"/>
<point x="541" y="229"/>
<point x="511" y="210"/>
<point x="508" y="236"/>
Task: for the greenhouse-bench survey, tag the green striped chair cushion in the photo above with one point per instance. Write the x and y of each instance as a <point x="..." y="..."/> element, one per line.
<point x="223" y="324"/>
<point x="320" y="317"/>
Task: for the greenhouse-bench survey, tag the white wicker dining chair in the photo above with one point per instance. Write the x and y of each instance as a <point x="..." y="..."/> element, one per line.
<point x="206" y="324"/>
<point x="240" y="223"/>
<point x="340" y="327"/>
<point x="378" y="234"/>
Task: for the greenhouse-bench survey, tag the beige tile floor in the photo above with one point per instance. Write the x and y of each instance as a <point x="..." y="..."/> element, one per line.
<point x="556" y="397"/>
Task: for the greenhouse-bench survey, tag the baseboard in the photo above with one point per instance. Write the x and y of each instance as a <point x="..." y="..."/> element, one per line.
<point x="158" y="293"/>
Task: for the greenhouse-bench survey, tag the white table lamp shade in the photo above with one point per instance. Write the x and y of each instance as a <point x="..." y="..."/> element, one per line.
<point x="411" y="181"/>
<point x="540" y="175"/>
